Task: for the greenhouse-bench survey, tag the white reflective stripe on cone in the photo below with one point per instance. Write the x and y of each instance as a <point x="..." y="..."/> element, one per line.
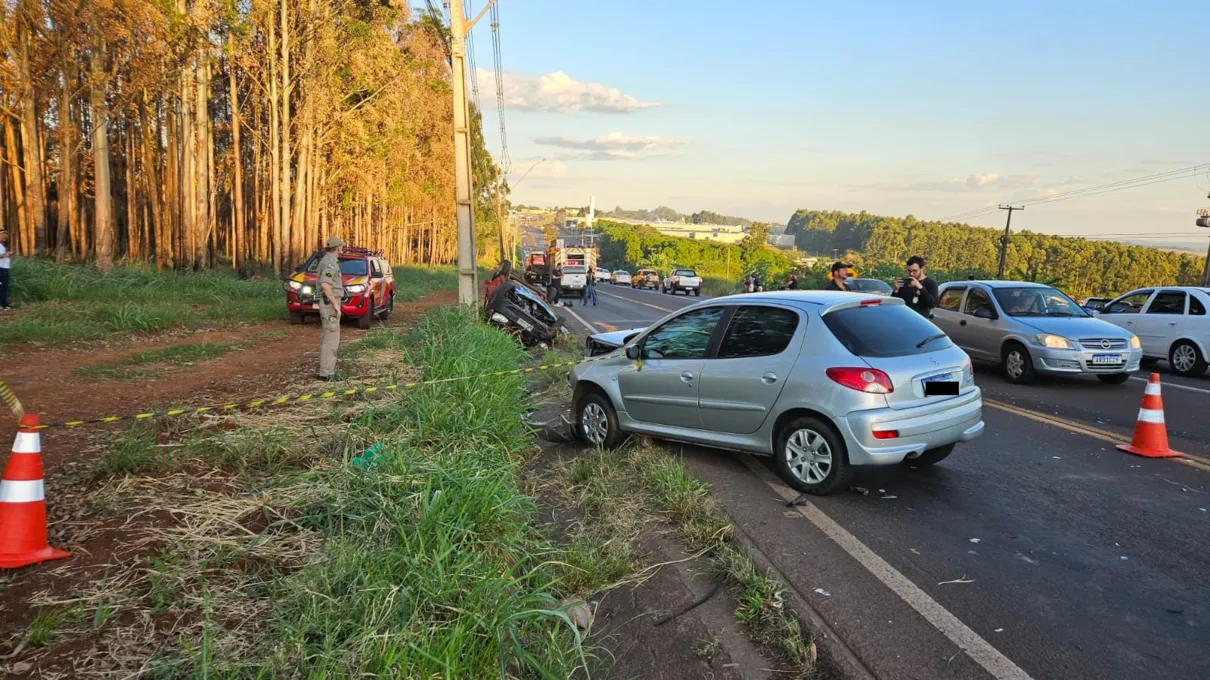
<point x="1151" y="415"/>
<point x="27" y="442"/>
<point x="1152" y="388"/>
<point x="24" y="491"/>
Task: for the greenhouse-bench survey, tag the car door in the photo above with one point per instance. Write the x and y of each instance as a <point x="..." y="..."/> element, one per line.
<point x="661" y="387"/>
<point x="1161" y="321"/>
<point x="948" y="313"/>
<point x="984" y="335"/>
<point x="1124" y="311"/>
<point x="376" y="287"/>
<point x="741" y="383"/>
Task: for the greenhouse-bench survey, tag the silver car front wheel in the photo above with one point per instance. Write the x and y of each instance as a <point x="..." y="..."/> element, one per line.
<point x="594" y="423"/>
<point x="597" y="422"/>
<point x="811" y="457"/>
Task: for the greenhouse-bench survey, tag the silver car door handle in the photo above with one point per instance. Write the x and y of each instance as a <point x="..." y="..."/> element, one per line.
<point x="686" y="375"/>
<point x="769" y="378"/>
<point x="1172" y="323"/>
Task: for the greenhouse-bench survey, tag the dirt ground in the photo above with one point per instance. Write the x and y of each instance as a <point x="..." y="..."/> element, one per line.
<point x="274" y="356"/>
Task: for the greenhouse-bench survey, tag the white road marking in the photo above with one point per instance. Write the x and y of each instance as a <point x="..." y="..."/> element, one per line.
<point x="590" y="327"/>
<point x="1176" y="385"/>
<point x="637" y="302"/>
<point x="980" y="650"/>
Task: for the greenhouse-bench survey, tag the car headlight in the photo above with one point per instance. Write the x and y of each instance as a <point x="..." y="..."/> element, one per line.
<point x="1134" y="342"/>
<point x="306" y="290"/>
<point x="355" y="289"/>
<point x="500" y="319"/>
<point x="291" y="285"/>
<point x="1054" y="341"/>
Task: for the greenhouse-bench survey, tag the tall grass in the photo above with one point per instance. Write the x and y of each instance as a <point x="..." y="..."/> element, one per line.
<point x="432" y="566"/>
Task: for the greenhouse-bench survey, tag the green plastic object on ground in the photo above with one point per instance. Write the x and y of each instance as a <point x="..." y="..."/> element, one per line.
<point x="368" y="457"/>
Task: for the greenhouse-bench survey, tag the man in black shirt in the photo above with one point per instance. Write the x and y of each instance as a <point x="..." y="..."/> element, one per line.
<point x="917" y="290"/>
<point x="840" y="272"/>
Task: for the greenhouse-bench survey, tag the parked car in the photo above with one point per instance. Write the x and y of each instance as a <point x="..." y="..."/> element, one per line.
<point x="368" y="282"/>
<point x="621" y="278"/>
<point x="822" y="382"/>
<point x="1031" y="329"/>
<point x="603" y="275"/>
<point x="873" y="286"/>
<point x="1092" y="304"/>
<point x="646" y="278"/>
<point x="1170" y="322"/>
<point x="682" y="280"/>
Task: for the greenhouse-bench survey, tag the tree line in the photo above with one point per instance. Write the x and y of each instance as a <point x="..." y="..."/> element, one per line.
<point x="669" y="215"/>
<point x="1079" y="266"/>
<point x="205" y="133"/>
<point x="633" y="247"/>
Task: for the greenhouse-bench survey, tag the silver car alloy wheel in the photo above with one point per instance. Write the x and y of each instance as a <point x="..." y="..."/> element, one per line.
<point x="808" y="456"/>
<point x="1014" y="364"/>
<point x="1184" y="357"/>
<point x="595" y="422"/>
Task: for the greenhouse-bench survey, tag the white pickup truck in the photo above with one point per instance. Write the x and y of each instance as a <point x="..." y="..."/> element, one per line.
<point x="685" y="280"/>
<point x="575" y="279"/>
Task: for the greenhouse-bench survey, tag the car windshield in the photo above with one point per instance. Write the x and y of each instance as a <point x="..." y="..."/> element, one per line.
<point x="878" y="331"/>
<point x="684" y="272"/>
<point x="350" y="267"/>
<point x="1036" y="301"/>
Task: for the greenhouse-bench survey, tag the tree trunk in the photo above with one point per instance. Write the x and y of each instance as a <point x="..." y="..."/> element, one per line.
<point x="151" y="184"/>
<point x="103" y="209"/>
<point x="201" y="179"/>
<point x="35" y="190"/>
<point x="237" y="181"/>
<point x="67" y="152"/>
<point x="285" y="159"/>
<point x="14" y="169"/>
<point x="275" y="189"/>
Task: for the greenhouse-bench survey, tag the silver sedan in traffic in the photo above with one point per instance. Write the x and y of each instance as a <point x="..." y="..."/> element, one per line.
<point x="822" y="381"/>
<point x="1031" y="329"/>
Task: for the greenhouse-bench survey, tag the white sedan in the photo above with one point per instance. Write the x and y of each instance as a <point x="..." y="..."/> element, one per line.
<point x="1171" y="321"/>
<point x="621" y="278"/>
<point x="603" y="276"/>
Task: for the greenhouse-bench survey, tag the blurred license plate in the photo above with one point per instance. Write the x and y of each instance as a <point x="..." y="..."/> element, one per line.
<point x="940" y="385"/>
<point x="1102" y="359"/>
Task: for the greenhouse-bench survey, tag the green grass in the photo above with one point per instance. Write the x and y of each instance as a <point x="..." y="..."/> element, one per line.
<point x="156" y="361"/>
<point x="61" y="303"/>
<point x="413" y="283"/>
<point x="425" y="564"/>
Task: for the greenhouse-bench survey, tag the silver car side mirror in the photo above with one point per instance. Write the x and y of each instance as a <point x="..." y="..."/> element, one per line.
<point x="632" y="352"/>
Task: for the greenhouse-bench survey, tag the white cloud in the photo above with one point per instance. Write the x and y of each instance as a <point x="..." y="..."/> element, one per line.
<point x="611" y="147"/>
<point x="983" y="182"/>
<point x="560" y="93"/>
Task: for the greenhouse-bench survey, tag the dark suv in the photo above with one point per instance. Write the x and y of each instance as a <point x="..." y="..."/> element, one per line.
<point x="368" y="281"/>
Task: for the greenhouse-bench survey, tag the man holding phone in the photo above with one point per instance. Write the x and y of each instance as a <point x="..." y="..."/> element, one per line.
<point x="916" y="289"/>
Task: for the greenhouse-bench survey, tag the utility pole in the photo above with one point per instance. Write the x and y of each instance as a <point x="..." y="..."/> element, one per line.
<point x="1004" y="238"/>
<point x="463" y="190"/>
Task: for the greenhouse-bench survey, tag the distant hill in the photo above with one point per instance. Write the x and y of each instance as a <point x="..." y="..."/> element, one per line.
<point x="666" y="214"/>
<point x="1084" y="267"/>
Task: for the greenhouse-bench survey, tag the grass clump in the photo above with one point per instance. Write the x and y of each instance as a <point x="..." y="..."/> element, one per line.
<point x="157" y="361"/>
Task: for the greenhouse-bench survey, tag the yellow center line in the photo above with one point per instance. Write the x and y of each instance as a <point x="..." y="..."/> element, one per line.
<point x="1192" y="460"/>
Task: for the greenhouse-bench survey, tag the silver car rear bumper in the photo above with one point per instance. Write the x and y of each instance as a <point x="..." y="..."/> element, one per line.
<point x="920" y="429"/>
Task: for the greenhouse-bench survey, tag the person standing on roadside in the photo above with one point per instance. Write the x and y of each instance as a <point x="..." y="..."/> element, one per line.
<point x="6" y="261"/>
<point x="590" y="288"/>
<point x="917" y="290"/>
<point x="331" y="290"/>
<point x="793" y="284"/>
<point x="556" y="285"/>
<point x="840" y="274"/>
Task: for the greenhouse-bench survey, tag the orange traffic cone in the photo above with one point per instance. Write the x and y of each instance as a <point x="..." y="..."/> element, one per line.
<point x="1150" y="434"/>
<point x="23" y="503"/>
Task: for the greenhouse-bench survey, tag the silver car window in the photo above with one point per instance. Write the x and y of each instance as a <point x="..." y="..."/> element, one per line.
<point x="1196" y="308"/>
<point x="685" y="337"/>
<point x="758" y="332"/>
<point x="976" y="300"/>
<point x="951" y="299"/>
<point x="1168" y="302"/>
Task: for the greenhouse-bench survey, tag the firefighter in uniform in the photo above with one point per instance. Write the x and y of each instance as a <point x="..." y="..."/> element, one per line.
<point x="331" y="288"/>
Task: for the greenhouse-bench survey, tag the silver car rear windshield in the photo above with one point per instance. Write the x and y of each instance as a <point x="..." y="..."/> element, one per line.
<point x="574" y="269"/>
<point x="892" y="331"/>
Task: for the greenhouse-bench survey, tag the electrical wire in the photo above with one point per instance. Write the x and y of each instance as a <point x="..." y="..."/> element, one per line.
<point x="472" y="67"/>
<point x="506" y="162"/>
<point x="1121" y="185"/>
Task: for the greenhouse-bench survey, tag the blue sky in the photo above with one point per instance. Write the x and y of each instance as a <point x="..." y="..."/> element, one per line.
<point x="928" y="108"/>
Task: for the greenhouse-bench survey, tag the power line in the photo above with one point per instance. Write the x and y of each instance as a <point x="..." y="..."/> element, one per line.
<point x="1110" y="187"/>
<point x="498" y="67"/>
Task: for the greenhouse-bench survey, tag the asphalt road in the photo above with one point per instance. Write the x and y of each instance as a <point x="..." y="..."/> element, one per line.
<point x="1064" y="557"/>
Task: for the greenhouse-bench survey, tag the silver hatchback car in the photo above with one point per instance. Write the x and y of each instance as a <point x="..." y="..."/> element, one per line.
<point x="1030" y="328"/>
<point x="822" y="381"/>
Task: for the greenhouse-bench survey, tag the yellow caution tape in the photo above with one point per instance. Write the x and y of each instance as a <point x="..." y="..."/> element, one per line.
<point x="6" y="394"/>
